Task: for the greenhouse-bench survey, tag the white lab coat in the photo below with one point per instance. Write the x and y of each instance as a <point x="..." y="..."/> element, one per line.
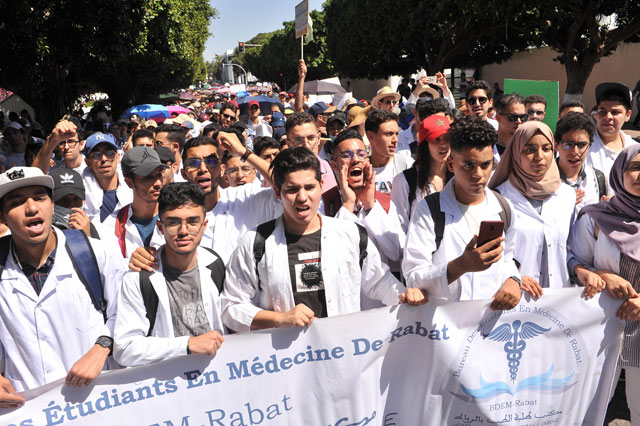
<point x="238" y="210"/>
<point x="428" y="270"/>
<point x="107" y="231"/>
<point x="132" y="346"/>
<point x="600" y="157"/>
<point x="42" y="336"/>
<point x="94" y="193"/>
<point x="591" y="251"/>
<point x="533" y="230"/>
<point x="343" y="279"/>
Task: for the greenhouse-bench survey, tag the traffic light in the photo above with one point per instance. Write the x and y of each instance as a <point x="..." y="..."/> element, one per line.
<point x="240" y="47"/>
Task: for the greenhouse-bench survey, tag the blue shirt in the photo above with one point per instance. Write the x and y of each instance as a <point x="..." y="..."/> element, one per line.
<point x="145" y="228"/>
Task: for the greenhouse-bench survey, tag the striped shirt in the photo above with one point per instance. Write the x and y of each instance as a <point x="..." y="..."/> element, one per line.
<point x="630" y="353"/>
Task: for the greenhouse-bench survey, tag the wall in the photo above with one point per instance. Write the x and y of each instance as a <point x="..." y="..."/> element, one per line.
<point x="622" y="66"/>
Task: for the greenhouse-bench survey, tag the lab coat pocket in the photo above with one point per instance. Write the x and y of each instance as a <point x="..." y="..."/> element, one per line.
<point x="85" y="313"/>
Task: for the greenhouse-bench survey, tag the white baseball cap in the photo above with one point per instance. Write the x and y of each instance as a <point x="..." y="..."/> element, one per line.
<point x="19" y="177"/>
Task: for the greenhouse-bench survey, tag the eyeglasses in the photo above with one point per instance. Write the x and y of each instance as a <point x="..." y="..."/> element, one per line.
<point x="390" y="102"/>
<point x="173" y="226"/>
<point x="473" y="99"/>
<point x="97" y="155"/>
<point x="195" y="163"/>
<point x="569" y="145"/>
<point x="535" y="112"/>
<point x="515" y="117"/>
<point x="244" y="169"/>
<point x="71" y="142"/>
<point x="348" y="154"/>
<point x="229" y="117"/>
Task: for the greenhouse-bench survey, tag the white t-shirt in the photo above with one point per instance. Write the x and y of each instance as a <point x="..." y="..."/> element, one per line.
<point x="473" y="215"/>
<point x="385" y="174"/>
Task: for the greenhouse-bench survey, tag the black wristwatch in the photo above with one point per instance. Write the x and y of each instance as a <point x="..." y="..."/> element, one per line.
<point x="105" y="342"/>
<point x="518" y="280"/>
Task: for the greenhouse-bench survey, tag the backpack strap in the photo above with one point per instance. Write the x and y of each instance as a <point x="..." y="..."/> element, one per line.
<point x="218" y="270"/>
<point x="364" y="240"/>
<point x="411" y="175"/>
<point x="263" y="232"/>
<point x="149" y="297"/>
<point x="5" y="247"/>
<point x="85" y="263"/>
<point x="93" y="231"/>
<point x="121" y="221"/>
<point x="602" y="183"/>
<point x="505" y="214"/>
<point x="433" y="201"/>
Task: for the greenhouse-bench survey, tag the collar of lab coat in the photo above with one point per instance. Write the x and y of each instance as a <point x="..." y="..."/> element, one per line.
<point x="159" y="283"/>
<point x="61" y="269"/>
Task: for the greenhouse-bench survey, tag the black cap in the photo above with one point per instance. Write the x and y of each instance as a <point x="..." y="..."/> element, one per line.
<point x="603" y="89"/>
<point x="165" y="154"/>
<point x="66" y="181"/>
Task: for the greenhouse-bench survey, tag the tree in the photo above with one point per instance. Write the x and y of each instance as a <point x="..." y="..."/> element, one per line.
<point x="403" y="36"/>
<point x="54" y="51"/>
<point x="583" y="32"/>
<point x="277" y="59"/>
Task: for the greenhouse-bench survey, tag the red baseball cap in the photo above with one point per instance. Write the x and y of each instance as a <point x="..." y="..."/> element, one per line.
<point x="432" y="128"/>
<point x="254" y="102"/>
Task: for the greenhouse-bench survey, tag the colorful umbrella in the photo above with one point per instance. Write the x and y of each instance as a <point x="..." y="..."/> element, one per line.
<point x="148" y="111"/>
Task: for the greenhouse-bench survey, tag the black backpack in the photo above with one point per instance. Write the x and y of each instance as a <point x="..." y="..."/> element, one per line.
<point x="433" y="201"/>
<point x="150" y="297"/>
<point x="266" y="229"/>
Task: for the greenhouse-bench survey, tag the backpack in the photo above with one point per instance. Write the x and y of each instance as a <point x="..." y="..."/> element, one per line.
<point x="266" y="229"/>
<point x="602" y="183"/>
<point x="411" y="175"/>
<point x="433" y="201"/>
<point x="150" y="297"/>
<point x="84" y="262"/>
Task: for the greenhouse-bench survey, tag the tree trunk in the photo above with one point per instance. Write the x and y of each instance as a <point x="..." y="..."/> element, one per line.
<point x="578" y="73"/>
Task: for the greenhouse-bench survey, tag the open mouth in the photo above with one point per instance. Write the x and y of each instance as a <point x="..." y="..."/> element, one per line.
<point x="204" y="182"/>
<point x="35" y="225"/>
<point x="355" y="171"/>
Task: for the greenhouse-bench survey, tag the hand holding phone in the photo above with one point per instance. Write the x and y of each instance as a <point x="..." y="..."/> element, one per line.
<point x="489" y="230"/>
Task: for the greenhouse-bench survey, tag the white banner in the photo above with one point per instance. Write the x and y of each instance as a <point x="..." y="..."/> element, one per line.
<point x="545" y="362"/>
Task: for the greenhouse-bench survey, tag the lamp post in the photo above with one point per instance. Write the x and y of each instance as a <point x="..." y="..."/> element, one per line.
<point x="245" y="73"/>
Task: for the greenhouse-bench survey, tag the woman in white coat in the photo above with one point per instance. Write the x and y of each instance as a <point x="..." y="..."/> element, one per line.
<point x="528" y="176"/>
<point x="605" y="251"/>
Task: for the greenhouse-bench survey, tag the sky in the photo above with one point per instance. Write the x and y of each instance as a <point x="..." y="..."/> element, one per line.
<point x="240" y="20"/>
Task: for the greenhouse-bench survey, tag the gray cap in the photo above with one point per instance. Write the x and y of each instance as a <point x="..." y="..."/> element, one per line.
<point x="140" y="160"/>
<point x="19" y="177"/>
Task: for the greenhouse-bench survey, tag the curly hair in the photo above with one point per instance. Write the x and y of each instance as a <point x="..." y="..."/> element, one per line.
<point x="471" y="132"/>
<point x="575" y="121"/>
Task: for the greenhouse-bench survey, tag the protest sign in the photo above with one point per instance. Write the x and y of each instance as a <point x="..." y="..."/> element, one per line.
<point x="549" y="361"/>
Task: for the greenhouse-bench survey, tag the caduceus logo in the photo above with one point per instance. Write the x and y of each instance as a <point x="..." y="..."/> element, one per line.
<point x="515" y="334"/>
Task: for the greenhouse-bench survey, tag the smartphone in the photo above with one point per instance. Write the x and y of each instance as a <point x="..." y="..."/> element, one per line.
<point x="489" y="230"/>
<point x="431" y="79"/>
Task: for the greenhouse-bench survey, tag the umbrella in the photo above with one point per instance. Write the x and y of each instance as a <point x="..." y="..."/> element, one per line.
<point x="186" y="96"/>
<point x="177" y="109"/>
<point x="242" y="94"/>
<point x="264" y="101"/>
<point x="319" y="87"/>
<point x="148" y="111"/>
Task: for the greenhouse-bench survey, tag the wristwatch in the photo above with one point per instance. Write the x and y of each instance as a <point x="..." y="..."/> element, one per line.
<point x="105" y="342"/>
<point x="246" y="154"/>
<point x="518" y="280"/>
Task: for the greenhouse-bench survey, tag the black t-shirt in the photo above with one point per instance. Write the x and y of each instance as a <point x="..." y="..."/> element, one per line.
<point x="305" y="271"/>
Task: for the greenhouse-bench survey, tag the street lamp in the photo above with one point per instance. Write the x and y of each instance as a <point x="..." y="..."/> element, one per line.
<point x="245" y="73"/>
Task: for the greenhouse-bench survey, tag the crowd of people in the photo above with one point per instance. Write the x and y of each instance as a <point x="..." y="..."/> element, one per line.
<point x="225" y="221"/>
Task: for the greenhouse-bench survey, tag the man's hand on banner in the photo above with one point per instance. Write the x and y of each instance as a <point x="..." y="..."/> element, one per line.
<point x="205" y="344"/>
<point x="88" y="367"/>
<point x="531" y="286"/>
<point x="8" y="399"/>
<point x="617" y="286"/>
<point x="299" y="316"/>
<point x="507" y="297"/>
<point x="414" y="297"/>
<point x="593" y="283"/>
<point x="144" y="258"/>
<point x="630" y="309"/>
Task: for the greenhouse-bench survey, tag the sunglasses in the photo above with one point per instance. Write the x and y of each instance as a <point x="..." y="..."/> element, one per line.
<point x="569" y="145"/>
<point x="515" y="117"/>
<point x="97" y="155"/>
<point x="391" y="102"/>
<point x="473" y="99"/>
<point x="535" y="112"/>
<point x="195" y="163"/>
<point x="229" y="117"/>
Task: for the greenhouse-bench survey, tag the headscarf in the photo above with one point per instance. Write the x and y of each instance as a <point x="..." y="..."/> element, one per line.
<point x="619" y="217"/>
<point x="510" y="166"/>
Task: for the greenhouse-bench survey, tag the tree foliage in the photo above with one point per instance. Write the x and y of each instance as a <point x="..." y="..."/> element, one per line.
<point x="583" y="32"/>
<point x="277" y="59"/>
<point x="56" y="50"/>
<point x="403" y="36"/>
